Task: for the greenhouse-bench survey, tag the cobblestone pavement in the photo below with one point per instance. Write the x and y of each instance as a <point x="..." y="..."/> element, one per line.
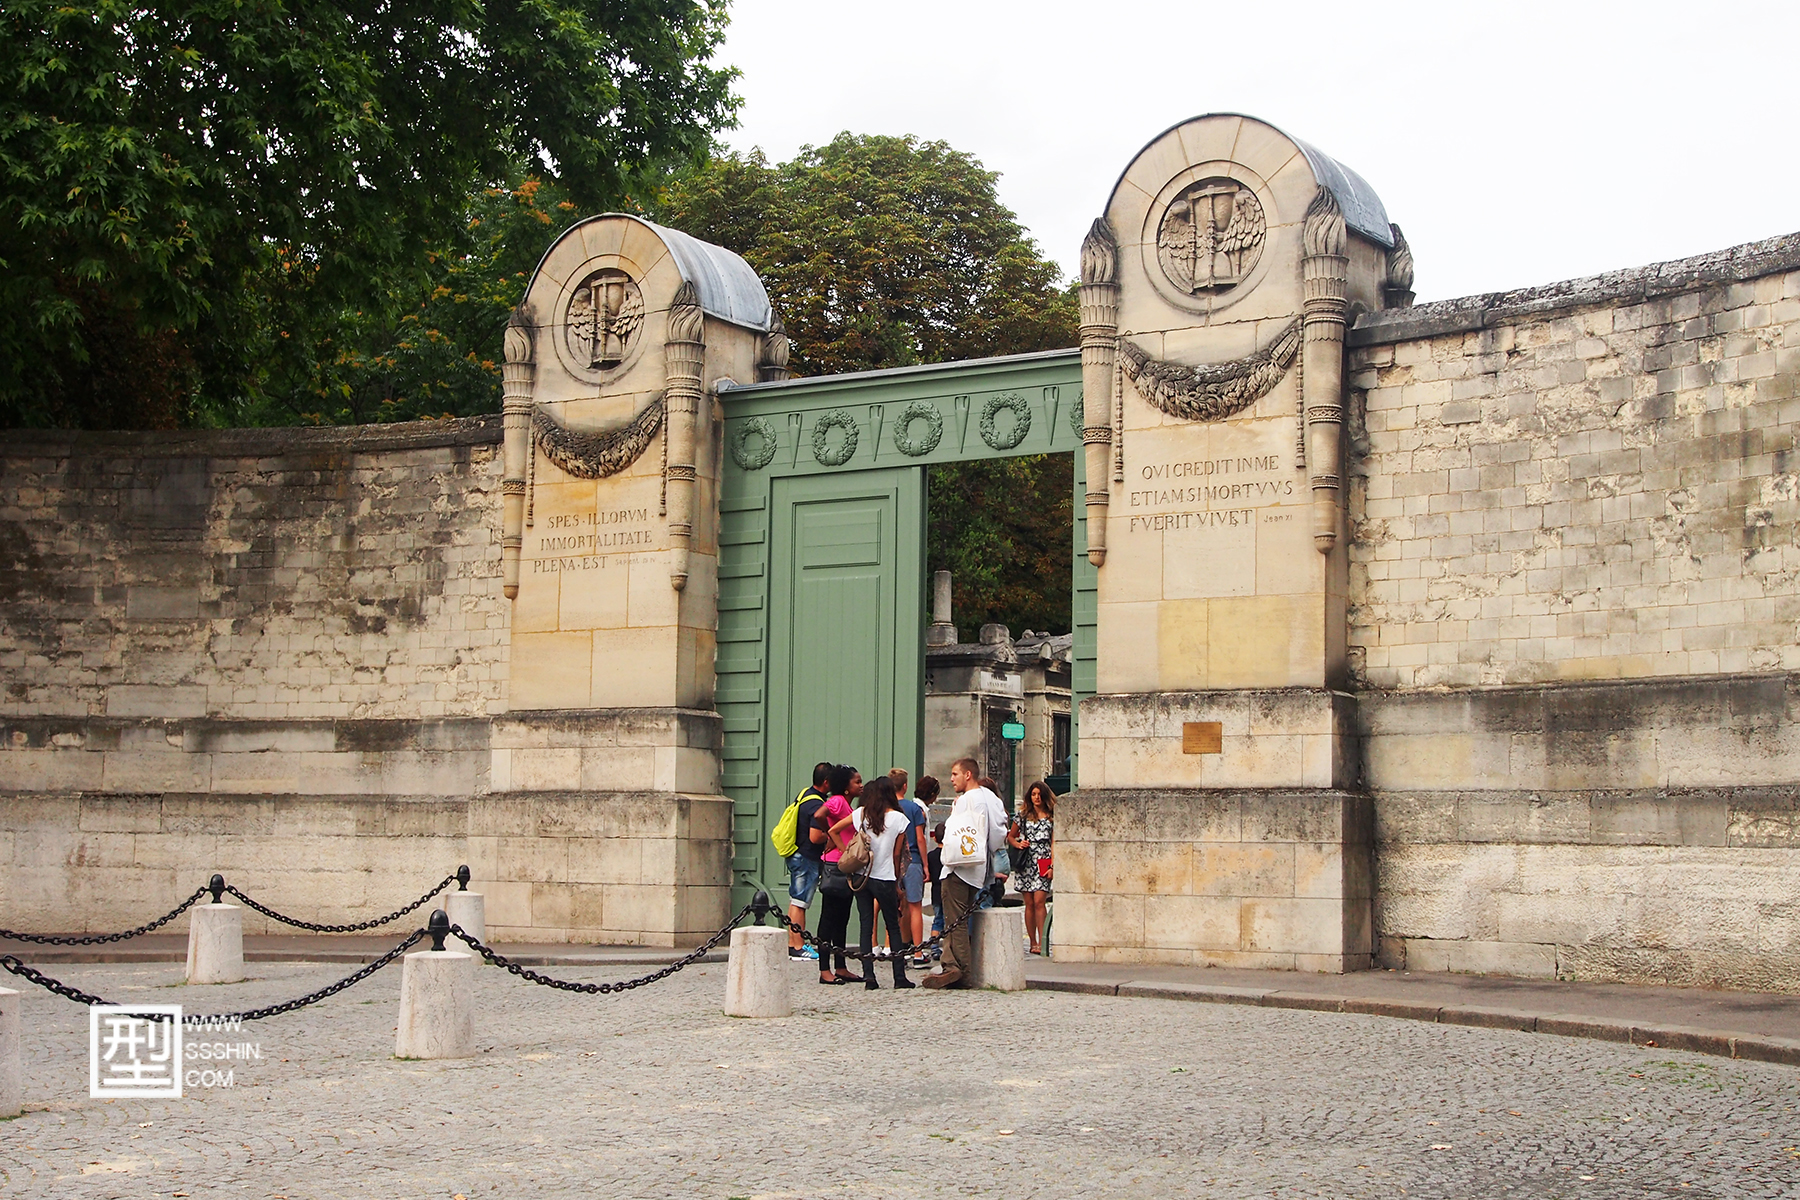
<point x="654" y="1094"/>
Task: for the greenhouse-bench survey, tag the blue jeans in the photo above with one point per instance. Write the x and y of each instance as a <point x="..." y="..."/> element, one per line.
<point x="803" y="878"/>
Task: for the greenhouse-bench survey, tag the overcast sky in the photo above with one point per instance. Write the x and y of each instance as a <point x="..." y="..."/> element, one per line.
<point x="1516" y="144"/>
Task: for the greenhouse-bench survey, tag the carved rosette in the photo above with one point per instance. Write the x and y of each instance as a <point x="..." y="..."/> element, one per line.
<point x="1325" y="272"/>
<point x="772" y="363"/>
<point x="515" y="408"/>
<point x="683" y="352"/>
<point x="1397" y="291"/>
<point x="1099" y="349"/>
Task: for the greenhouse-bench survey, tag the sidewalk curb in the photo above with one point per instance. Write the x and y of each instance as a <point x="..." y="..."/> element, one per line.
<point x="1720" y="1044"/>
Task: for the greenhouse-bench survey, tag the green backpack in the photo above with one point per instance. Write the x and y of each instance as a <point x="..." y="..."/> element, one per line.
<point x="786" y="834"/>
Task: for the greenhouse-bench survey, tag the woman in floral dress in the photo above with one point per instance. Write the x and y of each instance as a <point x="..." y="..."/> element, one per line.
<point x="1035" y="832"/>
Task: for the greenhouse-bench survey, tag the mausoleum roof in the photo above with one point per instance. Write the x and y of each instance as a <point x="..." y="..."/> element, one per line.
<point x="729" y="287"/>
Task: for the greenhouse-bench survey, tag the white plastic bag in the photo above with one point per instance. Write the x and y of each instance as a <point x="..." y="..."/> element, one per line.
<point x="966" y="837"/>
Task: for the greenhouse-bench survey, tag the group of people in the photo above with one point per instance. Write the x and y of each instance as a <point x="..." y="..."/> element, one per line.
<point x="839" y="808"/>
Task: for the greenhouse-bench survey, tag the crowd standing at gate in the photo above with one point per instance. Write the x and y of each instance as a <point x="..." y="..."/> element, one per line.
<point x="866" y="846"/>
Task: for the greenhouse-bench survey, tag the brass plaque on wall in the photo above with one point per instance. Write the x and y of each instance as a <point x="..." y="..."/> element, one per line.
<point x="1201" y="737"/>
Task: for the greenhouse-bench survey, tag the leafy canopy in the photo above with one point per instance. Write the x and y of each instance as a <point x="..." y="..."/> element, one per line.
<point x="202" y="201"/>
<point x="887" y="252"/>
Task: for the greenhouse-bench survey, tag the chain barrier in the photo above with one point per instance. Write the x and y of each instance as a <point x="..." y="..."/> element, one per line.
<point x="101" y="938"/>
<point x="624" y="985"/>
<point x="870" y="956"/>
<point x="33" y="975"/>
<point x="312" y="927"/>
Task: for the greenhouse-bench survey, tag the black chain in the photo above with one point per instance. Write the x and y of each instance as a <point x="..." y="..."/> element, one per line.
<point x="824" y="947"/>
<point x="99" y="938"/>
<point x="356" y="928"/>
<point x="530" y="976"/>
<point x="32" y="975"/>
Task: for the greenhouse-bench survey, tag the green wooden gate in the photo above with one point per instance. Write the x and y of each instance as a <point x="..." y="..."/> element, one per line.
<point x="822" y="587"/>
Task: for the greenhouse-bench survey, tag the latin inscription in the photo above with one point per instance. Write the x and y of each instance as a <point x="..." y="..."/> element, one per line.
<point x="1250" y="479"/>
<point x="587" y="533"/>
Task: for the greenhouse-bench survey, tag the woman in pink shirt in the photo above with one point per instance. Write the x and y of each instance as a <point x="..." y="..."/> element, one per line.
<point x="844" y="785"/>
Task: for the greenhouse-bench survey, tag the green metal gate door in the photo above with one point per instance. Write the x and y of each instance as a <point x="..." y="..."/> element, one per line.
<point x="845" y="659"/>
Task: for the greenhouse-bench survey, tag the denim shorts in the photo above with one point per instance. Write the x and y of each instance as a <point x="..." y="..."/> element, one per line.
<point x="803" y="878"/>
<point x="915" y="882"/>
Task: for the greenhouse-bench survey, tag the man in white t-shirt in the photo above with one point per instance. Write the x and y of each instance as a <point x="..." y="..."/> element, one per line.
<point x="963" y="885"/>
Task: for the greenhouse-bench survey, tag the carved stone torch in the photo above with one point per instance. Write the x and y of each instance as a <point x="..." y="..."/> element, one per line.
<point x="1325" y="274"/>
<point x="515" y="408"/>
<point x="1099" y="346"/>
<point x="683" y="353"/>
<point x="772" y="363"/>
<point x="1397" y="292"/>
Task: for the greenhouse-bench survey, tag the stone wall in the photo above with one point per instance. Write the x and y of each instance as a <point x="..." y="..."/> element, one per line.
<point x="282" y="655"/>
<point x="1575" y="606"/>
<point x="264" y="574"/>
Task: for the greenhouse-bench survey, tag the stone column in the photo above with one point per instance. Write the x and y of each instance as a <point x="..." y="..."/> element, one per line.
<point x="515" y="405"/>
<point x="997" y="944"/>
<point x="469" y="910"/>
<point x="683" y="354"/>
<point x="12" y="1074"/>
<point x="756" y="974"/>
<point x="1099" y="346"/>
<point x="215" y="944"/>
<point x="1325" y="274"/>
<point x="437" y="1005"/>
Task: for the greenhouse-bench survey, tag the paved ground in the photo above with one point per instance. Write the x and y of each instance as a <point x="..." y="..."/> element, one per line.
<point x="1041" y="1094"/>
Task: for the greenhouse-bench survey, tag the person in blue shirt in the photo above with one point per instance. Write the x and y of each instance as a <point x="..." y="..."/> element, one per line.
<point x="912" y="886"/>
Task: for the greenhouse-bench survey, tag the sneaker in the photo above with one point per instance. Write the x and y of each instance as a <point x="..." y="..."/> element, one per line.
<point x="809" y="952"/>
<point x="799" y="955"/>
<point x="882" y="952"/>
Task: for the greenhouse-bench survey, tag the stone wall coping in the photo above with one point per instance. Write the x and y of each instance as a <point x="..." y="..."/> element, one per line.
<point x="1632" y="285"/>
<point x="258" y="443"/>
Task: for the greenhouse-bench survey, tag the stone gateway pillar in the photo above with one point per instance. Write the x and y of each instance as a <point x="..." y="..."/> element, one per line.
<point x="1220" y="818"/>
<point x="610" y="558"/>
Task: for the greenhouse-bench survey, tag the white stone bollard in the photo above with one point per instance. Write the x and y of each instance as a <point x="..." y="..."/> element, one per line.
<point x="997" y="944"/>
<point x="437" y="1005"/>
<point x="469" y="910"/>
<point x="215" y="944"/>
<point x="12" y="1075"/>
<point x="756" y="974"/>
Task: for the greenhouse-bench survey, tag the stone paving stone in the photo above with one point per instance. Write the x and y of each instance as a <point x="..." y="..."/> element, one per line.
<point x="653" y="1093"/>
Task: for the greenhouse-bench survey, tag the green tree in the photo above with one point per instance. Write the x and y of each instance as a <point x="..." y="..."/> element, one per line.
<point x="886" y="252"/>
<point x="205" y="204"/>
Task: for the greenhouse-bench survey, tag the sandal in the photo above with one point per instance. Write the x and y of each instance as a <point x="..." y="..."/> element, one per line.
<point x="846" y="977"/>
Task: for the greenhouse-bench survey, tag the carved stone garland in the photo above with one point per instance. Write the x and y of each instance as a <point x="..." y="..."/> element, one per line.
<point x="1213" y="392"/>
<point x="596" y="455"/>
<point x="1325" y="272"/>
<point x="683" y="352"/>
<point x="1099" y="345"/>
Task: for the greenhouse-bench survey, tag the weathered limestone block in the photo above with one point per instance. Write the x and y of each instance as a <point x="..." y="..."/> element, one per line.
<point x="468" y="910"/>
<point x="997" y="946"/>
<point x="437" y="1005"/>
<point x="215" y="944"/>
<point x="12" y="1078"/>
<point x="756" y="974"/>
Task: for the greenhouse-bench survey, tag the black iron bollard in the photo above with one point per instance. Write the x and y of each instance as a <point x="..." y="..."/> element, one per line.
<point x="216" y="885"/>
<point x="462" y="878"/>
<point x="438" y="927"/>
<point x="760" y="906"/>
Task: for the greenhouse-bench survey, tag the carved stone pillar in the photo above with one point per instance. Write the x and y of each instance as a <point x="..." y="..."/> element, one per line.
<point x="772" y="363"/>
<point x="1325" y="272"/>
<point x="515" y="390"/>
<point x="683" y="353"/>
<point x="1099" y="347"/>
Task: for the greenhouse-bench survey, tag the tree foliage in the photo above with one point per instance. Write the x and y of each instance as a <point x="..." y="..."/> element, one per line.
<point x="887" y="252"/>
<point x="211" y="208"/>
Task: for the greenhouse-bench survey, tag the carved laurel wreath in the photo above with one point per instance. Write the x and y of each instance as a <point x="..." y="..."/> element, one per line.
<point x="1021" y="411"/>
<point x="1212" y="392"/>
<point x="918" y="410"/>
<point x="596" y="455"/>
<point x="741" y="454"/>
<point x="821" y="438"/>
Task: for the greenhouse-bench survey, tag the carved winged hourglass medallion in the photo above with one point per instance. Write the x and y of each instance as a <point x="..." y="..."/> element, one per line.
<point x="604" y="314"/>
<point x="1211" y="236"/>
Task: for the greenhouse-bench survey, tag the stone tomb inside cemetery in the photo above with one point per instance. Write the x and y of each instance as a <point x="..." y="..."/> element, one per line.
<point x="1458" y="636"/>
